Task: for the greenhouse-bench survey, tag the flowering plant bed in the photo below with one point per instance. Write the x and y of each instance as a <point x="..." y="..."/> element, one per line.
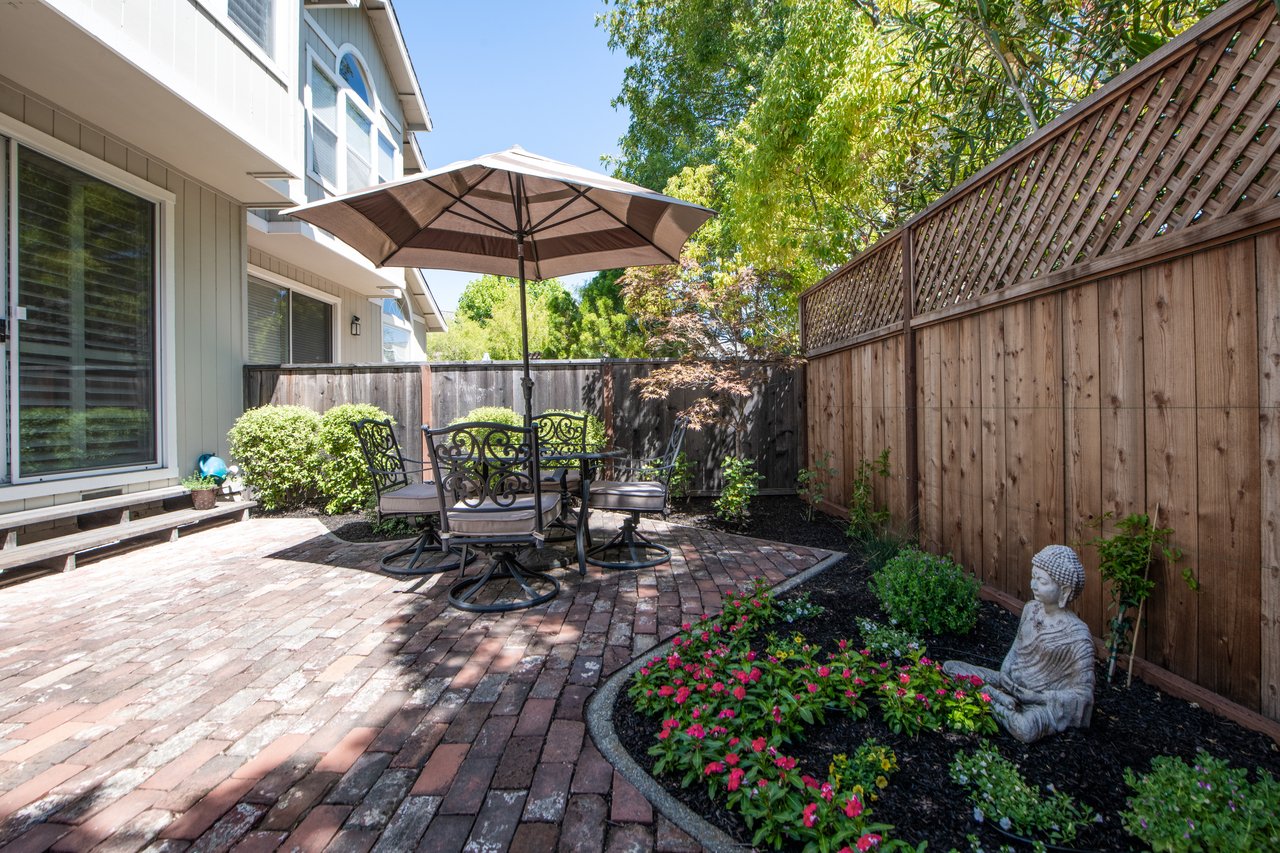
<point x="842" y="761"/>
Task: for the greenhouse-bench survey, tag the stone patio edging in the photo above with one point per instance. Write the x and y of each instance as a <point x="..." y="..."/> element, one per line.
<point x="600" y="725"/>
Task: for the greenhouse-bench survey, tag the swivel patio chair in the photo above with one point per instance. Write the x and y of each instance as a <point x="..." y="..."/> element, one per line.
<point x="491" y="498"/>
<point x="643" y="486"/>
<point x="562" y="433"/>
<point x="398" y="496"/>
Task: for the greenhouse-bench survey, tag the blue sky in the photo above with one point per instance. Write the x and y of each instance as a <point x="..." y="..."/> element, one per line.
<point x="497" y="73"/>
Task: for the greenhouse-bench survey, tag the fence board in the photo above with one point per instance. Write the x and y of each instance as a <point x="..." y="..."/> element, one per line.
<point x="1169" y="333"/>
<point x="930" y="451"/>
<point x="1227" y="485"/>
<point x="969" y="381"/>
<point x="1084" y="442"/>
<point x="995" y="480"/>
<point x="1268" y="274"/>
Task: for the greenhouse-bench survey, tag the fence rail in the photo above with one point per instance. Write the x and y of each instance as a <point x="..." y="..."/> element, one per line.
<point x="1092" y="328"/>
<point x="414" y="394"/>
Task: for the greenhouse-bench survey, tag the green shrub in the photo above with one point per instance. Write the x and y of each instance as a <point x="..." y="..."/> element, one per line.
<point x="344" y="478"/>
<point x="492" y="414"/>
<point x="1207" y="806"/>
<point x="278" y="449"/>
<point x="681" y="478"/>
<point x="923" y="592"/>
<point x="741" y="484"/>
<point x="1000" y="794"/>
<point x="812" y="483"/>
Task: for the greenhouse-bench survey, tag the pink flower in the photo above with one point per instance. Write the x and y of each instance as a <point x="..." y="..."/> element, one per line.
<point x="644" y="670"/>
<point x="718" y="687"/>
<point x="853" y="808"/>
<point x="696" y="730"/>
<point x="735" y="778"/>
<point x="843" y="644"/>
<point x="727" y="714"/>
<point x="758" y="744"/>
<point x="824" y="671"/>
<point x="810" y="814"/>
<point x="739" y="693"/>
<point x="751" y="656"/>
<point x="714" y="767"/>
<point x="901" y="692"/>
<point x="777" y="714"/>
<point x="755" y="673"/>
<point x="904" y="678"/>
<point x="986" y="697"/>
<point x="868" y="841"/>
<point x="666" y="690"/>
<point x="827" y="791"/>
<point x="682" y="695"/>
<point x="812" y="688"/>
<point x="959" y="694"/>
<point x="664" y="734"/>
<point x="731" y="759"/>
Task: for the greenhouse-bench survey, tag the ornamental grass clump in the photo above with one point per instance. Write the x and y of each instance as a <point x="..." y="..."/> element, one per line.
<point x="923" y="592"/>
<point x="1207" y="805"/>
<point x="278" y="450"/>
<point x="1000" y="794"/>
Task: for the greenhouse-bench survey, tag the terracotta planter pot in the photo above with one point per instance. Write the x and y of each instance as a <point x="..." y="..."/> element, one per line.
<point x="204" y="498"/>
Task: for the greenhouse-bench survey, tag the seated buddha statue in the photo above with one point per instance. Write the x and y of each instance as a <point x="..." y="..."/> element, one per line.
<point x="1045" y="684"/>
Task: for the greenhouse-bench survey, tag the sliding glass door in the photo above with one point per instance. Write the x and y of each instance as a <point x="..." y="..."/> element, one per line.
<point x="82" y="297"/>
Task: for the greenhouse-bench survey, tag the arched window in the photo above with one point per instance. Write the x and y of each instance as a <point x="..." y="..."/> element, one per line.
<point x="350" y="138"/>
<point x="350" y="72"/>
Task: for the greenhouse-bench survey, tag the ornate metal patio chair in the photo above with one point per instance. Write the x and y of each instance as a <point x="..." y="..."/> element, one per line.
<point x="561" y="433"/>
<point x="641" y="486"/>
<point x="491" y="498"/>
<point x="399" y="496"/>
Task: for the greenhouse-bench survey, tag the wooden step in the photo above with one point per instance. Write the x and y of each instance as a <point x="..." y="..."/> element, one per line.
<point x="11" y="522"/>
<point x="60" y="552"/>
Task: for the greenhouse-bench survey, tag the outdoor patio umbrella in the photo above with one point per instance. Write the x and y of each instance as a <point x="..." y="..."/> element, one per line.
<point x="514" y="214"/>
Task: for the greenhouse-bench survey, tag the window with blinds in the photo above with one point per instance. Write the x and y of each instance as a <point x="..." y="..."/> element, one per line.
<point x="86" y="378"/>
<point x="324" y="126"/>
<point x="359" y="148"/>
<point x="286" y="327"/>
<point x="254" y="17"/>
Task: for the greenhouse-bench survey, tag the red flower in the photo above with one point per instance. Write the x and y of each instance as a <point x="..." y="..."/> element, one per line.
<point x="682" y="695"/>
<point x="758" y="744"/>
<point x="813" y="688"/>
<point x="868" y="841"/>
<point x="735" y="778"/>
<point x="904" y="678"/>
<point x="810" y="814"/>
<point x="824" y="671"/>
<point x="714" y="767"/>
<point x="739" y="693"/>
<point x="731" y="759"/>
<point x="853" y="808"/>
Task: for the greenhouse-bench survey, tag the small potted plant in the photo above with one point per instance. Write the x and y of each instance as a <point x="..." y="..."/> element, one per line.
<point x="204" y="489"/>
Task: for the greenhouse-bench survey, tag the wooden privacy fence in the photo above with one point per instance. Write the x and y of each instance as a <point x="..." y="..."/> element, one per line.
<point x="1091" y="325"/>
<point x="414" y="394"/>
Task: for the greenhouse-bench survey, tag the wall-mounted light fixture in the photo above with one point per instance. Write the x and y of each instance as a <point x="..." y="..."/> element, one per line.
<point x="355" y="325"/>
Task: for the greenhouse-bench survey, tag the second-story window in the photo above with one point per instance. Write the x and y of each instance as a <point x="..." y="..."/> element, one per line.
<point x="255" y="18"/>
<point x="351" y="141"/>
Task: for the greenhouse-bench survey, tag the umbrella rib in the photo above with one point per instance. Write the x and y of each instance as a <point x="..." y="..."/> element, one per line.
<point x="484" y="218"/>
<point x="578" y="193"/>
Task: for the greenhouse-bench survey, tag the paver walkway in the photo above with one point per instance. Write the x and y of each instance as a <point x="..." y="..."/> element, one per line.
<point x="259" y="686"/>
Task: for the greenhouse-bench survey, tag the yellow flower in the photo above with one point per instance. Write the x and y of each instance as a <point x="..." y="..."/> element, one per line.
<point x="885" y="765"/>
<point x="882" y="782"/>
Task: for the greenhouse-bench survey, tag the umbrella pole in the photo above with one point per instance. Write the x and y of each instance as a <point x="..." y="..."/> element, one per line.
<point x="526" y="382"/>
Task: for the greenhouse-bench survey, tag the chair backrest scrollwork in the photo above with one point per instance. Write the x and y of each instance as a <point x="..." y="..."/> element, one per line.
<point x="381" y="453"/>
<point x="484" y="467"/>
<point x="561" y="432"/>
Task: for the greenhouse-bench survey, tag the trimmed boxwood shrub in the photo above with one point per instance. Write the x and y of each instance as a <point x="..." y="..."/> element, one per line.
<point x="595" y="427"/>
<point x="923" y="592"/>
<point x="278" y="449"/>
<point x="344" y="480"/>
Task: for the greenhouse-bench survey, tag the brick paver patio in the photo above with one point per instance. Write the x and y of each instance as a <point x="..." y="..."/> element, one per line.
<point x="259" y="686"/>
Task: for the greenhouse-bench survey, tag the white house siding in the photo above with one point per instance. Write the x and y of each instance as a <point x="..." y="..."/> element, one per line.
<point x="209" y="269"/>
<point x="367" y="348"/>
<point x="192" y="48"/>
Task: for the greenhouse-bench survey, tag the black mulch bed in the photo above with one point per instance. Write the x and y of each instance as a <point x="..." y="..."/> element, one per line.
<point x="1130" y="726"/>
<point x="349" y="527"/>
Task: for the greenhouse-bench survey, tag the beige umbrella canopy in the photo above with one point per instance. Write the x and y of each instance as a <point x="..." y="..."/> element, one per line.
<point x="512" y="213"/>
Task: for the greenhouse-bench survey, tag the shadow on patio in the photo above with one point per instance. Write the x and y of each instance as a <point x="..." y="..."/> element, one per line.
<point x="264" y="687"/>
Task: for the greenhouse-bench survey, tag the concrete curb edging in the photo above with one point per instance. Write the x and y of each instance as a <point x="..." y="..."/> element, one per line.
<point x="600" y="725"/>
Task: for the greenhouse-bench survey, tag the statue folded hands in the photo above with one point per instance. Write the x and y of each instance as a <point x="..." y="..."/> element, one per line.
<point x="1045" y="684"/>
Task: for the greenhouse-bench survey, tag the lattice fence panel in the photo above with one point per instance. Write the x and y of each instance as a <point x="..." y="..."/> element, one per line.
<point x="1191" y="140"/>
<point x="862" y="298"/>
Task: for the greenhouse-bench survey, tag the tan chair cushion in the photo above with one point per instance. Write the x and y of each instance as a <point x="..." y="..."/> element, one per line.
<point x="572" y="475"/>
<point x="507" y="521"/>
<point x="415" y="498"/>
<point x="627" y="495"/>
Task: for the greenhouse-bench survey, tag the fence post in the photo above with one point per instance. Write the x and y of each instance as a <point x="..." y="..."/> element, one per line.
<point x="910" y="416"/>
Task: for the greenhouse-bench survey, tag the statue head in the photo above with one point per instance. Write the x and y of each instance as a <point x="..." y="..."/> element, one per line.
<point x="1063" y="567"/>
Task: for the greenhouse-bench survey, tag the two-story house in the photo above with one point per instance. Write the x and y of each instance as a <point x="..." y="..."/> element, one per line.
<point x="145" y="146"/>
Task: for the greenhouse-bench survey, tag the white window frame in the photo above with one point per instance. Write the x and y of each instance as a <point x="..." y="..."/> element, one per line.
<point x="166" y="401"/>
<point x="334" y="302"/>
<point x="380" y="123"/>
